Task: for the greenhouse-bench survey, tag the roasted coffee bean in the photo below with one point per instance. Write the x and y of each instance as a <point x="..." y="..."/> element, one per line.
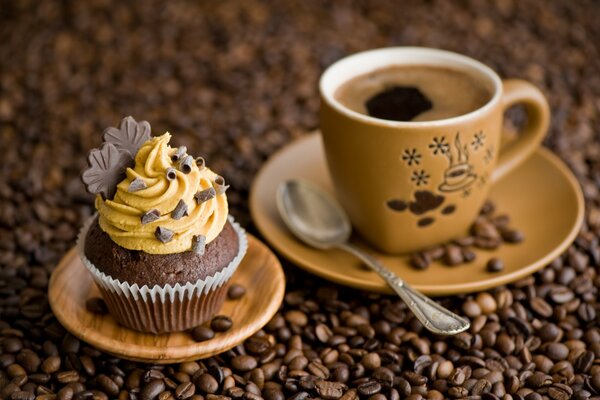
<point x="296" y="317"/>
<point x="107" y="385"/>
<point x="152" y="389"/>
<point x="512" y="236"/>
<point x="96" y="305"/>
<point x="206" y="383"/>
<point x="371" y="361"/>
<point x="202" y="333"/>
<point x="185" y="390"/>
<point x="323" y="332"/>
<point x="557" y="351"/>
<point x="541" y="307"/>
<point x="319" y="370"/>
<point x="369" y="388"/>
<point x="244" y="363"/>
<point x="420" y="260"/>
<point x="29" y="361"/>
<point x="22" y="395"/>
<point x="329" y="390"/>
<point x="454" y="255"/>
<point x="495" y="265"/>
<point x="67" y="376"/>
<point x="236" y="291"/>
<point x="221" y="323"/>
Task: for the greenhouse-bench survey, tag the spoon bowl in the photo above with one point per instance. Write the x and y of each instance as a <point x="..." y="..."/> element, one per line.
<point x="312" y="215"/>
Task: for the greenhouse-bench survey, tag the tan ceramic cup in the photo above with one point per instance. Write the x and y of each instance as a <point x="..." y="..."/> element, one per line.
<point x="410" y="185"/>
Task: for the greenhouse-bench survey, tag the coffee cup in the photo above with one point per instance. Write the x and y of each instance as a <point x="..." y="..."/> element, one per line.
<point x="412" y="184"/>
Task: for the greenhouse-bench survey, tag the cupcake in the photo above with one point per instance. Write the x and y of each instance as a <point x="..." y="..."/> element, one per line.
<point x="161" y="247"/>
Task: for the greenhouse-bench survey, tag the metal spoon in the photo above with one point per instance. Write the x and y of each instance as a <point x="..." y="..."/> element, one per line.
<point x="319" y="221"/>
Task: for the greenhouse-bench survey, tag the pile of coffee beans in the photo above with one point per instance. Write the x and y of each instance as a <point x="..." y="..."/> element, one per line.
<point x="488" y="232"/>
<point x="235" y="80"/>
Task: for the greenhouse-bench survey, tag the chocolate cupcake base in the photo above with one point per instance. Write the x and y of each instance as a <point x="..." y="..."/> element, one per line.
<point x="168" y="307"/>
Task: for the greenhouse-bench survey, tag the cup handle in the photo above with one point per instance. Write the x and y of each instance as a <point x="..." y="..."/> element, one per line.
<point x="538" y="118"/>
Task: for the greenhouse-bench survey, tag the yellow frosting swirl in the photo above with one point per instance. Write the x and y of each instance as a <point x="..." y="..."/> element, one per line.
<point x="120" y="217"/>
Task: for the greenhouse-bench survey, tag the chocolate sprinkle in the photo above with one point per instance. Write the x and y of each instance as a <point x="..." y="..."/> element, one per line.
<point x="181" y="150"/>
<point x="180" y="211"/>
<point x="199" y="244"/>
<point x="185" y="165"/>
<point x="205" y="195"/>
<point x="163" y="234"/>
<point x="136" y="185"/>
<point x="171" y="173"/>
<point x="220" y="185"/>
<point x="150" y="216"/>
<point x="200" y="162"/>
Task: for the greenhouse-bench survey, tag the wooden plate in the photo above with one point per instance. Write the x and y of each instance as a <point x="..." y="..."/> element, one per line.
<point x="260" y="272"/>
<point x="542" y="197"/>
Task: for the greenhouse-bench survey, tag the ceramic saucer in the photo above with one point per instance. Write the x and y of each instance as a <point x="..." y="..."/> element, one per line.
<point x="260" y="272"/>
<point x="542" y="197"/>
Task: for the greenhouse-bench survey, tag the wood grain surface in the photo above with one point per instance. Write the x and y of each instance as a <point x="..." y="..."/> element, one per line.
<point x="260" y="272"/>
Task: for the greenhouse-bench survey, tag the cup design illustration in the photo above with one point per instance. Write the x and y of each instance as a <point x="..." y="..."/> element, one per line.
<point x="460" y="174"/>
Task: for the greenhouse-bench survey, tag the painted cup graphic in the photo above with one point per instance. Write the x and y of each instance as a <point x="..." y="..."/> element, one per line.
<point x="408" y="185"/>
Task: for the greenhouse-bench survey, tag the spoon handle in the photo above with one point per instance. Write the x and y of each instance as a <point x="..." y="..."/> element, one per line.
<point x="433" y="316"/>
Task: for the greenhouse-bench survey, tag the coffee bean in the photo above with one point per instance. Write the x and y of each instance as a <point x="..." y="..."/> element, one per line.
<point x="471" y="309"/>
<point x="457" y="392"/>
<point x="107" y="385"/>
<point x="445" y="369"/>
<point x="557" y="351"/>
<point x="221" y="323"/>
<point x="595" y="382"/>
<point x="296" y="317"/>
<point x="453" y="255"/>
<point x="152" y="389"/>
<point x="586" y="312"/>
<point x="202" y="333"/>
<point x="12" y="345"/>
<point x="257" y="345"/>
<point x="236" y="291"/>
<point x="512" y="236"/>
<point x="29" y="361"/>
<point x="152" y="375"/>
<point x="584" y="361"/>
<point x="541" y="307"/>
<point x="371" y="361"/>
<point x="369" y="388"/>
<point x="495" y="265"/>
<point x="185" y="390"/>
<point x="67" y="376"/>
<point x="96" y="305"/>
<point x="318" y="370"/>
<point x="486" y="302"/>
<point x="22" y="395"/>
<point x="244" y="363"/>
<point x="206" y="383"/>
<point x="420" y="261"/>
<point x="329" y="390"/>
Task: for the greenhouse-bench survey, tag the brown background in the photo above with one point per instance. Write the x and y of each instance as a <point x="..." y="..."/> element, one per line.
<point x="234" y="81"/>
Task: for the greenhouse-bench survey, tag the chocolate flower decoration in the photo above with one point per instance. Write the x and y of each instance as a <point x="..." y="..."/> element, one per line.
<point x="130" y="135"/>
<point x="106" y="169"/>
